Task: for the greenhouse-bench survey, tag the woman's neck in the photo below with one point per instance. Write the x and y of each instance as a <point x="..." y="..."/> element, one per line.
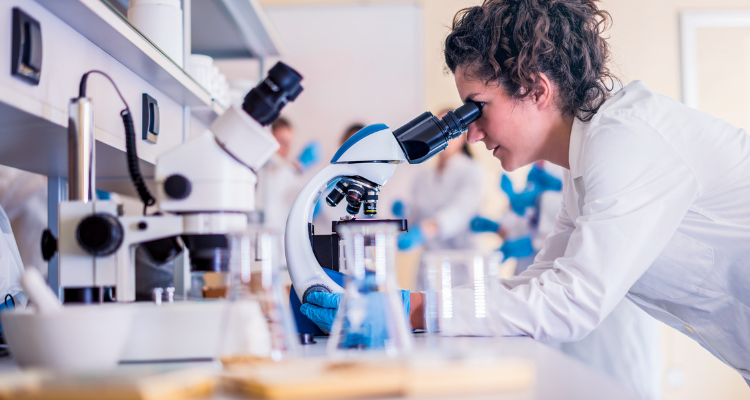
<point x="558" y="144"/>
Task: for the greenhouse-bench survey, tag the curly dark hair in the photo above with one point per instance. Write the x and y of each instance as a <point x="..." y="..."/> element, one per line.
<point x="509" y="42"/>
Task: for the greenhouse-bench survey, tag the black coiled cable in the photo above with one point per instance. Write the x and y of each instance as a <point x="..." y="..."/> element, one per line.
<point x="130" y="150"/>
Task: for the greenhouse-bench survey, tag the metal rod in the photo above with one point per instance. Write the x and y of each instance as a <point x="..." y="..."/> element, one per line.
<point x="81" y="151"/>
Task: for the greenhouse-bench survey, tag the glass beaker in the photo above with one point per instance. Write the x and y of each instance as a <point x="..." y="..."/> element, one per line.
<point x="371" y="314"/>
<point x="461" y="287"/>
<point x="258" y="323"/>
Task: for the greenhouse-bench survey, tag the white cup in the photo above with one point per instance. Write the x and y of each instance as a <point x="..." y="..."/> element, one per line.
<point x="161" y="22"/>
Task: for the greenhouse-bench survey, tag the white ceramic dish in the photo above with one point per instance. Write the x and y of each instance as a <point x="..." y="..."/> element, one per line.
<point x="73" y="338"/>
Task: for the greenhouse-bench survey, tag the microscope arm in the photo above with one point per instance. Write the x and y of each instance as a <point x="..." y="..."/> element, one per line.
<point x="307" y="274"/>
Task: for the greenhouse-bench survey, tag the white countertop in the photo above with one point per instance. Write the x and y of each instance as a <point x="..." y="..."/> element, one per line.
<point x="558" y="376"/>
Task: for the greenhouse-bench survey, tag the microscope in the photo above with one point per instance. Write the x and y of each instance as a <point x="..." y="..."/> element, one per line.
<point x="205" y="190"/>
<point x="363" y="164"/>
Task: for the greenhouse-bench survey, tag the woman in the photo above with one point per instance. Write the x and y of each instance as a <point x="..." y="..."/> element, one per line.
<point x="654" y="193"/>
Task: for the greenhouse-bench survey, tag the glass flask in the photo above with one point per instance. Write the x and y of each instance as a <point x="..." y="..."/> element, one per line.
<point x="460" y="289"/>
<point x="258" y="323"/>
<point x="371" y="315"/>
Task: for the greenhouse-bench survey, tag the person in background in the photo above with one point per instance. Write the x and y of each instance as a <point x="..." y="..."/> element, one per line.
<point x="279" y="179"/>
<point x="443" y="202"/>
<point x="520" y="226"/>
<point x="23" y="195"/>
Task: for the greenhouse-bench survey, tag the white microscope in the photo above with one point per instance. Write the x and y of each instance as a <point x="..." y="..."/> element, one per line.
<point x="363" y="163"/>
<point x="205" y="188"/>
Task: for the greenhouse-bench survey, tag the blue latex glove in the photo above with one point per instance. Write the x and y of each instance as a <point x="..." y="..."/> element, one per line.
<point x="412" y="238"/>
<point x="480" y="224"/>
<point x="519" y="202"/>
<point x="102" y="195"/>
<point x="399" y="209"/>
<point x="542" y="180"/>
<point x="321" y="308"/>
<point x="310" y="155"/>
<point x="517" y="248"/>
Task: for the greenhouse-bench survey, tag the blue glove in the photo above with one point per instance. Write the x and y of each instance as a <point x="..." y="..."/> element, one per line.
<point x="517" y="248"/>
<point x="479" y="224"/>
<point x="399" y="209"/>
<point x="542" y="180"/>
<point x="519" y="202"/>
<point x="321" y="308"/>
<point x="310" y="155"/>
<point x="412" y="238"/>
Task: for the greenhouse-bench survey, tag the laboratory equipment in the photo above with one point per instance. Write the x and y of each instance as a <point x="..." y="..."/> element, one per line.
<point x="370" y="315"/>
<point x="465" y="280"/>
<point x="161" y="22"/>
<point x="201" y="202"/>
<point x="257" y="322"/>
<point x="68" y="338"/>
<point x="362" y="164"/>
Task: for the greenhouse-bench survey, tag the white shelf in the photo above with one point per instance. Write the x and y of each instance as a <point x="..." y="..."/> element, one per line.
<point x="107" y="29"/>
<point x="233" y="29"/>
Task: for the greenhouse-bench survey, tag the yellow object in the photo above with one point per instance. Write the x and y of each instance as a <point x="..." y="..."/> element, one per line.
<point x="174" y="385"/>
<point x="321" y="379"/>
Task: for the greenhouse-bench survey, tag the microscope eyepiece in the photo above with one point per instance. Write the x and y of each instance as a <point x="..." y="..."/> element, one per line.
<point x="425" y="136"/>
<point x="265" y="101"/>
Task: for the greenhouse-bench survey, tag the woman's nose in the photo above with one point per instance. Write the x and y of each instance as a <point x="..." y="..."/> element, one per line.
<point x="475" y="133"/>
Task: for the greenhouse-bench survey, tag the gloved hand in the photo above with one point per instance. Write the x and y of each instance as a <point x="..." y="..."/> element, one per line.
<point x="542" y="180"/>
<point x="399" y="209"/>
<point x="310" y="155"/>
<point x="480" y="224"/>
<point x="412" y="238"/>
<point x="322" y="307"/>
<point x="519" y="202"/>
<point x="517" y="248"/>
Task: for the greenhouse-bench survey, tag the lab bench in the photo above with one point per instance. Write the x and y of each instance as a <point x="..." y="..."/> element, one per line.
<point x="558" y="376"/>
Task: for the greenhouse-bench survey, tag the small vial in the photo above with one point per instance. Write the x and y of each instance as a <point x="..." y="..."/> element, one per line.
<point x="157" y="295"/>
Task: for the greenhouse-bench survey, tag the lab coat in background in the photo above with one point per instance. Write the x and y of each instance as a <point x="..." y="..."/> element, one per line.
<point x="23" y="195"/>
<point x="654" y="208"/>
<point x="450" y="197"/>
<point x="279" y="183"/>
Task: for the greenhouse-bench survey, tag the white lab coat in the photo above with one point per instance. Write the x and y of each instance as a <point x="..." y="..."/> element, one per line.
<point x="279" y="183"/>
<point x="23" y="195"/>
<point x="451" y="197"/>
<point x="654" y="208"/>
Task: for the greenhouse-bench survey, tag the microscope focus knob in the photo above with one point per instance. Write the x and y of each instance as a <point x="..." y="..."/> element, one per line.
<point x="100" y="234"/>
<point x="177" y="187"/>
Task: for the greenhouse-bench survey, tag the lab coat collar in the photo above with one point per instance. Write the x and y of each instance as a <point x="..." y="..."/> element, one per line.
<point x="577" y="134"/>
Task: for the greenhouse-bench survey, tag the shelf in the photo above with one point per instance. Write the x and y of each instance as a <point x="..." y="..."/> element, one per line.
<point x="232" y="29"/>
<point x="108" y="30"/>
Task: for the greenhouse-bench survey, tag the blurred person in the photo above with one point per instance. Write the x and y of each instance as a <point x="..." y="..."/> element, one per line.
<point x="23" y="195"/>
<point x="444" y="200"/>
<point x="279" y="180"/>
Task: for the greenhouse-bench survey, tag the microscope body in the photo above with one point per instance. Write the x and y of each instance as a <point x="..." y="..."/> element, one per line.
<point x="205" y="187"/>
<point x="371" y="155"/>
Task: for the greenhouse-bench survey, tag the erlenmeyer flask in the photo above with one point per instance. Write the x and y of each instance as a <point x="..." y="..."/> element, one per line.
<point x="258" y="323"/>
<point x="371" y="315"/>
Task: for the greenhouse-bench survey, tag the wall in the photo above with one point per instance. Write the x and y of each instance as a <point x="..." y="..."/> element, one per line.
<point x="645" y="44"/>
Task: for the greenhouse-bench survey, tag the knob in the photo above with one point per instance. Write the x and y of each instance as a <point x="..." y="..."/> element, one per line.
<point x="49" y="245"/>
<point x="100" y="234"/>
<point x="177" y="187"/>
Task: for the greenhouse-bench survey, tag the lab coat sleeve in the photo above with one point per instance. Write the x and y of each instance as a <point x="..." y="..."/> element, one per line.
<point x="554" y="246"/>
<point x="637" y="191"/>
<point x="454" y="219"/>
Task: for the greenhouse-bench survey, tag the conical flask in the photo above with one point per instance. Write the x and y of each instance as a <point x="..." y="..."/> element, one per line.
<point x="371" y="315"/>
<point x="258" y="323"/>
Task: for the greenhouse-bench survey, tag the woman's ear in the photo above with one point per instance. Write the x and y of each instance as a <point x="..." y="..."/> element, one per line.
<point x="543" y="92"/>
